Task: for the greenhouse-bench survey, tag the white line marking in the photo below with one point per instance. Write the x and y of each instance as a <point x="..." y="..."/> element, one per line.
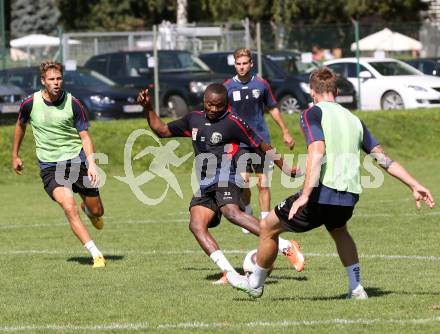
<point x="199" y="252"/>
<point x="205" y="325"/>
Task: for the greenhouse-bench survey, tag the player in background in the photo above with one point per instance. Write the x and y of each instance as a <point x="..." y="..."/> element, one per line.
<point x="217" y="133"/>
<point x="248" y="96"/>
<point x="65" y="152"/>
<point x="331" y="186"/>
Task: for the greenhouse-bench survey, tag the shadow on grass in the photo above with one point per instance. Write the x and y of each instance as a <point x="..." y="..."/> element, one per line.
<point x="87" y="260"/>
<point x="372" y="293"/>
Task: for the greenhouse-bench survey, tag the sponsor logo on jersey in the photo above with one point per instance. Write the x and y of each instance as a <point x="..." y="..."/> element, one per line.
<point x="194" y="133"/>
<point x="236" y="95"/>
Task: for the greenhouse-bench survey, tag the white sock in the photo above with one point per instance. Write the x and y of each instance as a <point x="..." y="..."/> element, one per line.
<point x="221" y="261"/>
<point x="354" y="276"/>
<point x="248" y="209"/>
<point x="264" y="214"/>
<point x="283" y="244"/>
<point x="93" y="250"/>
<point x="257" y="278"/>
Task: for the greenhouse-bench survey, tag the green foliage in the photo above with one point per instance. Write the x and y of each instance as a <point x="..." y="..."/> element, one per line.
<point x="33" y="17"/>
<point x="114" y="15"/>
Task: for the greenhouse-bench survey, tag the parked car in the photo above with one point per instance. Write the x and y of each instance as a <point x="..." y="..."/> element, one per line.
<point x="389" y="83"/>
<point x="100" y="95"/>
<point x="291" y="89"/>
<point x="290" y="63"/>
<point x="10" y="98"/>
<point x="290" y="92"/>
<point x="430" y="66"/>
<point x="183" y="77"/>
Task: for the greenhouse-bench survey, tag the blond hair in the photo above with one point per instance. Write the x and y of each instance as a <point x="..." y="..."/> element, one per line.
<point x="242" y="52"/>
<point x="48" y="65"/>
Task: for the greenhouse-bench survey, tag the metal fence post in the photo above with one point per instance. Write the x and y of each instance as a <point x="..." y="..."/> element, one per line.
<point x="60" y="47"/>
<point x="358" y="66"/>
<point x="156" y="72"/>
<point x="259" y="65"/>
<point x="3" y="32"/>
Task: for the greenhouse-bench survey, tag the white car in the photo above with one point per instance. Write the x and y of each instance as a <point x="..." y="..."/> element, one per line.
<point x="389" y="83"/>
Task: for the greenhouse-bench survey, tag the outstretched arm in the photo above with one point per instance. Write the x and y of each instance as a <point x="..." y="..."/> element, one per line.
<point x="287" y="138"/>
<point x="159" y="128"/>
<point x="19" y="132"/>
<point x="270" y="152"/>
<point x="420" y="193"/>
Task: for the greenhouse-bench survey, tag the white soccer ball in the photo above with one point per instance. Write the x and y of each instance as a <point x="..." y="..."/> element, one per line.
<point x="249" y="261"/>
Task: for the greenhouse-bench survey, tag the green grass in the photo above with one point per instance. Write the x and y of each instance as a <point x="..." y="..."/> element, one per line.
<point x="159" y="281"/>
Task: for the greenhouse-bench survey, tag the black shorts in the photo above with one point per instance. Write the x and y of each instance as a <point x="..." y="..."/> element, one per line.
<point x="80" y="184"/>
<point x="250" y="167"/>
<point x="215" y="197"/>
<point x="312" y="216"/>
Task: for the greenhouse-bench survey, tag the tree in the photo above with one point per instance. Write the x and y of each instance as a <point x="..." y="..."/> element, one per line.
<point x="33" y="17"/>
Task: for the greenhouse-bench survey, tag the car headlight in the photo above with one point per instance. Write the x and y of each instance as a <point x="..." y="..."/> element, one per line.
<point x="100" y="100"/>
<point x="198" y="86"/>
<point x="305" y="87"/>
<point x="417" y="88"/>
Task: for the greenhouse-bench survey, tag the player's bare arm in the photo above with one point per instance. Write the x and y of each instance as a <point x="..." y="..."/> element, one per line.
<point x="159" y="128"/>
<point x="287" y="138"/>
<point x="315" y="154"/>
<point x="420" y="193"/>
<point x="90" y="155"/>
<point x="19" y="132"/>
<point x="265" y="148"/>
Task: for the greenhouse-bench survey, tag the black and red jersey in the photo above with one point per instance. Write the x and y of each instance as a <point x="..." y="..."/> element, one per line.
<point x="215" y="143"/>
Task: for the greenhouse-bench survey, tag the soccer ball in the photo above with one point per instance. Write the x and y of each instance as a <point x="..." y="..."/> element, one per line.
<point x="250" y="261"/>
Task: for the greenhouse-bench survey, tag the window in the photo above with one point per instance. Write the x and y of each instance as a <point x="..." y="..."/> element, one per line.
<point x="352" y="70"/>
<point x="98" y="64"/>
<point x="338" y="68"/>
<point x="224" y="67"/>
<point x="138" y="63"/>
<point x="116" y="65"/>
<point x="389" y="68"/>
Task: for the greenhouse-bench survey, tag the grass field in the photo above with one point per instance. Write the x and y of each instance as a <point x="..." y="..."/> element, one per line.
<point x="159" y="280"/>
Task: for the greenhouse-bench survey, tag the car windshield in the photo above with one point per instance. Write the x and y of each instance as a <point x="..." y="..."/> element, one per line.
<point x="181" y="62"/>
<point x="389" y="68"/>
<point x="87" y="78"/>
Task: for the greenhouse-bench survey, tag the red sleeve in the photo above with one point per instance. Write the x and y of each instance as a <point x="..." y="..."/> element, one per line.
<point x="243" y="132"/>
<point x="181" y="127"/>
<point x="24" y="114"/>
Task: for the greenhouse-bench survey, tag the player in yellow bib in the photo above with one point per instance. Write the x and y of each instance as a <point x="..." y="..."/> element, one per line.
<point x="65" y="152"/>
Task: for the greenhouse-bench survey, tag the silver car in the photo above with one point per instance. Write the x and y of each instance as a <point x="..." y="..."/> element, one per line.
<point x="10" y="99"/>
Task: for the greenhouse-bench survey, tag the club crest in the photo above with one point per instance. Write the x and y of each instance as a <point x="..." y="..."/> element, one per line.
<point x="216" y="138"/>
<point x="256" y="93"/>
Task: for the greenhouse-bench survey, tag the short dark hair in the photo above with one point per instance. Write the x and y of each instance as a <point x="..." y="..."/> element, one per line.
<point x="323" y="80"/>
<point x="50" y="64"/>
<point x="216" y="88"/>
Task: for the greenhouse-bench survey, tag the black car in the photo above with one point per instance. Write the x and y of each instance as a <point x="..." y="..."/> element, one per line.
<point x="10" y="98"/>
<point x="290" y="62"/>
<point x="430" y="66"/>
<point x="100" y="95"/>
<point x="290" y="92"/>
<point x="183" y="77"/>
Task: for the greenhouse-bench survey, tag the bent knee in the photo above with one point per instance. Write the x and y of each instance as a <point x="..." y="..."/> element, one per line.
<point x="197" y="227"/>
<point x="231" y="213"/>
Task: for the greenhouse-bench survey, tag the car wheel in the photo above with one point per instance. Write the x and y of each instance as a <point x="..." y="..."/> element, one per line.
<point x="392" y="100"/>
<point x="289" y="104"/>
<point x="176" y="106"/>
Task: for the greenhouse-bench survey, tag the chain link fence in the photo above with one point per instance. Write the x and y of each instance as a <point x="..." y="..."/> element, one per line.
<point x="221" y="37"/>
